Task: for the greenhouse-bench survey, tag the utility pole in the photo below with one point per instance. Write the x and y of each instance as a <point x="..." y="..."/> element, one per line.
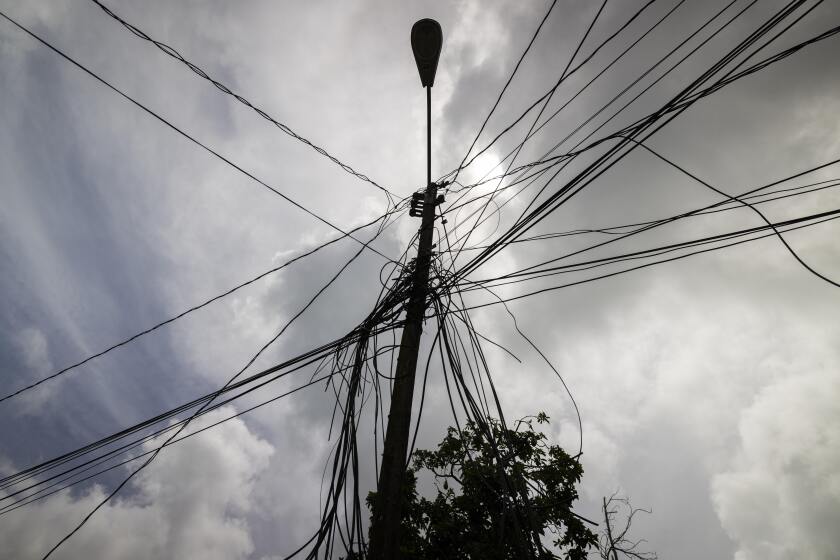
<point x="426" y="41"/>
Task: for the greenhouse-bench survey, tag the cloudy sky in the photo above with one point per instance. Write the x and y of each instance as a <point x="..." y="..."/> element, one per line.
<point x="709" y="387"/>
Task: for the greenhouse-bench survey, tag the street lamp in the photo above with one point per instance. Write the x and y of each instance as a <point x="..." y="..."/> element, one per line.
<point x="426" y="41"/>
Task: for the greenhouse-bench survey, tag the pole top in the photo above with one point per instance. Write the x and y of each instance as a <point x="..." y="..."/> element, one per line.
<point x="426" y="42"/>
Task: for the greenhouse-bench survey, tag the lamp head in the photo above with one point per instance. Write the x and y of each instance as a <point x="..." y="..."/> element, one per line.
<point x="426" y="42"/>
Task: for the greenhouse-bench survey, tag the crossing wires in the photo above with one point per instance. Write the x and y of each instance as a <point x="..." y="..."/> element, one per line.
<point x="357" y="369"/>
<point x="172" y="52"/>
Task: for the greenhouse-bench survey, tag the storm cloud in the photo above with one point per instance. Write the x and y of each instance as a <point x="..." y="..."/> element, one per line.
<point x="708" y="387"/>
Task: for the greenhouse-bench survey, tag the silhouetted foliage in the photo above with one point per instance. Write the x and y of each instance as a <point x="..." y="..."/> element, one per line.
<point x="500" y="494"/>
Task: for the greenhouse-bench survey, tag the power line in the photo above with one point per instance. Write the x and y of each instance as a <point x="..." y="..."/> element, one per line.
<point x="565" y="159"/>
<point x="504" y="89"/>
<point x="646" y="226"/>
<point x="532" y="273"/>
<point x="380" y="321"/>
<point x="748" y="205"/>
<point x="543" y="159"/>
<point x="621" y="229"/>
<point x="568" y="157"/>
<point x="614" y="154"/>
<point x="545" y="104"/>
<point x="206" y="404"/>
<point x="832" y="215"/>
<point x="184" y="134"/>
<point x="551" y="91"/>
<point x="81" y="468"/>
<point x="172" y="52"/>
<point x="248" y="385"/>
<point x="229" y="162"/>
<point x="575" y="96"/>
<point x="355" y="377"/>
<point x="182" y="314"/>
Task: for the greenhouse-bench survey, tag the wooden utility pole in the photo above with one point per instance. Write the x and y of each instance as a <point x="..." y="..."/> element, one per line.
<point x="426" y="40"/>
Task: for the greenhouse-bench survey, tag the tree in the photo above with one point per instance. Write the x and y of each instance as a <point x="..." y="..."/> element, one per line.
<point x="614" y="543"/>
<point x="499" y="491"/>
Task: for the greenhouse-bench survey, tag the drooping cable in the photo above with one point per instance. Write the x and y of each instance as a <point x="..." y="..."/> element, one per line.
<point x="205" y="405"/>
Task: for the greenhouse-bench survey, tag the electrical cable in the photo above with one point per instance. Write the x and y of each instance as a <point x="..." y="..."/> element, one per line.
<point x="563" y="75"/>
<point x="204" y="406"/>
<point x="551" y="90"/>
<point x="619" y="230"/>
<point x="504" y="89"/>
<point x="184" y="134"/>
<point x="624" y="146"/>
<point x="653" y="251"/>
<point x="172" y="52"/>
<point x="184" y="313"/>
<point x="748" y="205"/>
<point x="624" y="271"/>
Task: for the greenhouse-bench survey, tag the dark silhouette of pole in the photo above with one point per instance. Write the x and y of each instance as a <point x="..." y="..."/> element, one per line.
<point x="429" y="135"/>
<point x="426" y="40"/>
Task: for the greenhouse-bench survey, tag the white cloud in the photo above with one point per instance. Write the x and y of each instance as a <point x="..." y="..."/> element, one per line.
<point x="781" y="498"/>
<point x="192" y="502"/>
<point x="679" y="379"/>
<point x="681" y="366"/>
